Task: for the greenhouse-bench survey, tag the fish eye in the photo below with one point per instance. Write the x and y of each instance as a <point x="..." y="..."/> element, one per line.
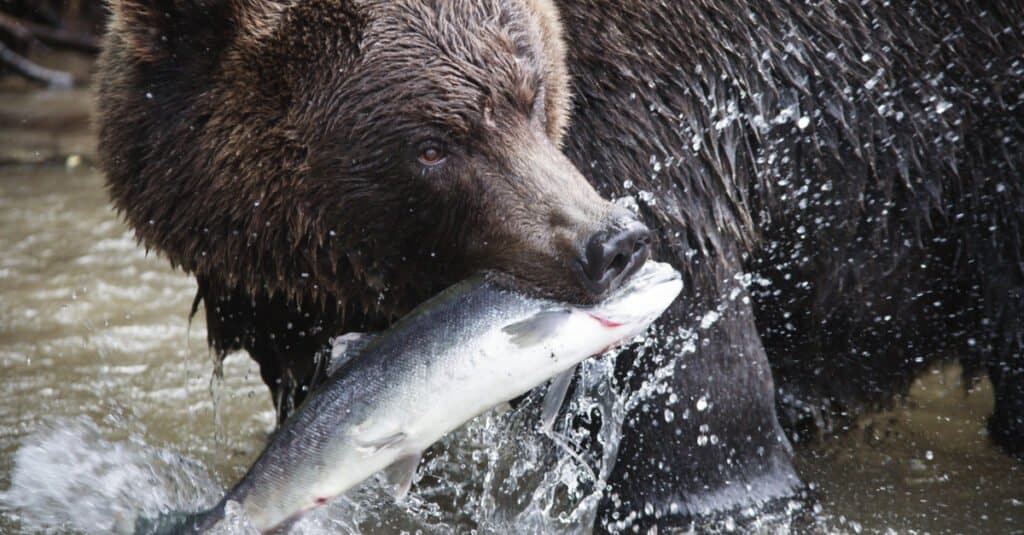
<point x="431" y="154"/>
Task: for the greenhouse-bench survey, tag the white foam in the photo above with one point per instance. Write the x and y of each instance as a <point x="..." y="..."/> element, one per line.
<point x="67" y="476"/>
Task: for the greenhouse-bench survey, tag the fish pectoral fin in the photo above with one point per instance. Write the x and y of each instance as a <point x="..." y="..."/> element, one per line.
<point x="554" y="398"/>
<point x="400" y="474"/>
<point x="537" y="328"/>
<point x="375" y="444"/>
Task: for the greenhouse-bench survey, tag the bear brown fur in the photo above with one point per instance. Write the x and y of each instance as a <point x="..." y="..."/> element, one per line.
<point x="839" y="183"/>
<point x="856" y="166"/>
<point x="297" y="200"/>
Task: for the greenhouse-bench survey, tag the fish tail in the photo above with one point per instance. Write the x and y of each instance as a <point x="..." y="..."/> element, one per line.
<point x="180" y="523"/>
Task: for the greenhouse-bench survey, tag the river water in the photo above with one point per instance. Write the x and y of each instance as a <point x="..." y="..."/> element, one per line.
<point x="109" y="409"/>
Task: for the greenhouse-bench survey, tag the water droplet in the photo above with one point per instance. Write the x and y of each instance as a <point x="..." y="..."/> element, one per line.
<point x="709" y="319"/>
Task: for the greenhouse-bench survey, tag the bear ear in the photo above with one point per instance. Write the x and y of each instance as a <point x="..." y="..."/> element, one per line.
<point x="156" y="30"/>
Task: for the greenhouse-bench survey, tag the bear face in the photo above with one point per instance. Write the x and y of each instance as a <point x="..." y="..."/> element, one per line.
<point x="368" y="152"/>
<point x="454" y="140"/>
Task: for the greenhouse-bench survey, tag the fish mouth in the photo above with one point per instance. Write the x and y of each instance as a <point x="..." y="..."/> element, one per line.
<point x="648" y="278"/>
<point x="642" y="297"/>
<point x="606" y="323"/>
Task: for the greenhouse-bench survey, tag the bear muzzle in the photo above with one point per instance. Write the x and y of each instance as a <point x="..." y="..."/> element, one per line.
<point x="612" y="254"/>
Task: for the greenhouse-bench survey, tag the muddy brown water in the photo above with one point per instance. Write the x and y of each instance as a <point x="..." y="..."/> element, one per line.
<point x="95" y="345"/>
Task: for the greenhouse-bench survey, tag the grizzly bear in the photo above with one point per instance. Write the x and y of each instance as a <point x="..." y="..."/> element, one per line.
<point x="839" y="183"/>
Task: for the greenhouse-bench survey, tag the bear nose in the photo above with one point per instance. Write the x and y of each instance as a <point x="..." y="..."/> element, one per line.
<point x="613" y="254"/>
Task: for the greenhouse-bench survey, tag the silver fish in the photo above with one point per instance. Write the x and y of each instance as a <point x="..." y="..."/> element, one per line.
<point x="458" y="355"/>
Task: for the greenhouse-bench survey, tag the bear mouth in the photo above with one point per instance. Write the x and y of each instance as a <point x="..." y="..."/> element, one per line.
<point x="622" y="268"/>
<point x="573" y="293"/>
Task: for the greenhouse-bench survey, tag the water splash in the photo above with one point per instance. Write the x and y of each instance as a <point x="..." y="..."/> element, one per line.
<point x="497" y="474"/>
<point x="68" y="476"/>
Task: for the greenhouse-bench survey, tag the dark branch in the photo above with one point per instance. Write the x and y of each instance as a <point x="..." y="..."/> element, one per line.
<point x="32" y="71"/>
<point x="54" y="37"/>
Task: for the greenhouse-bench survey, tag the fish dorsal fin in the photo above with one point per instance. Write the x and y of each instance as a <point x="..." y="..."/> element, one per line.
<point x="346" y="346"/>
<point x="400" y="474"/>
<point x="537" y="328"/>
<point x="554" y="398"/>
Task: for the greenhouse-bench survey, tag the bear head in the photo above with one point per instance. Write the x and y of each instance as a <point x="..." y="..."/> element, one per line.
<point x="366" y="152"/>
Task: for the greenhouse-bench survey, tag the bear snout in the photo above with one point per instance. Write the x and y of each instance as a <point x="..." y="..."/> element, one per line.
<point x="612" y="254"/>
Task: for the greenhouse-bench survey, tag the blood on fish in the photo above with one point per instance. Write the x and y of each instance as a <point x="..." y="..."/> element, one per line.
<point x="608" y="324"/>
<point x="321" y="501"/>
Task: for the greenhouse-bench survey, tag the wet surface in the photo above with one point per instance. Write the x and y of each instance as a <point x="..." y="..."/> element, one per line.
<point x="108" y="406"/>
<point x="45" y="126"/>
<point x="924" y="467"/>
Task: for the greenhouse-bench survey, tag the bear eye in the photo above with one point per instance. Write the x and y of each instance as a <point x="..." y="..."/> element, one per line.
<point x="431" y="155"/>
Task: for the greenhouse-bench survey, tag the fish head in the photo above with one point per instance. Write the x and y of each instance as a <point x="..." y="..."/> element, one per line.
<point x="639" y="301"/>
<point x="587" y="330"/>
